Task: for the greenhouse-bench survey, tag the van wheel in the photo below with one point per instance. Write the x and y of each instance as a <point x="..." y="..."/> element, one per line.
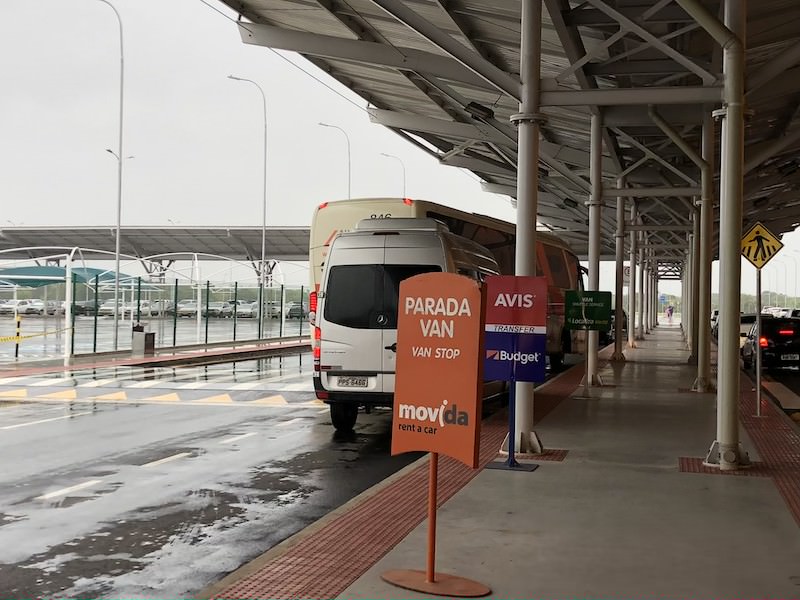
<point x="344" y="415"/>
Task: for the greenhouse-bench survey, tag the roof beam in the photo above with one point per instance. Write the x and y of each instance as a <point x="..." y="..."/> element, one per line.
<point x="633" y="96"/>
<point x="491" y="73"/>
<point x="326" y="46"/>
<point x="595" y="18"/>
<point x="650" y="192"/>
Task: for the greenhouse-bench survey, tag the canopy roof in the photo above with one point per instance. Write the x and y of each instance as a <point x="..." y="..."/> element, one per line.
<point x="35" y="276"/>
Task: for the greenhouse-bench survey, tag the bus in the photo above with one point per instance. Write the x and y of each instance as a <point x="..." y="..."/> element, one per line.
<point x="554" y="258"/>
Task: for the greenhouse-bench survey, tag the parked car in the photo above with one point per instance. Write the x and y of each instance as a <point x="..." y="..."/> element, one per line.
<point x="274" y="309"/>
<point x="161" y="307"/>
<point x="84" y="307"/>
<point x="36" y="307"/>
<point x="779" y="342"/>
<point x="296" y="310"/>
<point x="247" y="310"/>
<point x="187" y="308"/>
<point x="107" y="308"/>
<point x="606" y="337"/>
<point x="218" y="309"/>
<point x="13" y="306"/>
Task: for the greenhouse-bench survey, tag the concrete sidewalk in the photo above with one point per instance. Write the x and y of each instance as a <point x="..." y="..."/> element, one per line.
<point x="628" y="513"/>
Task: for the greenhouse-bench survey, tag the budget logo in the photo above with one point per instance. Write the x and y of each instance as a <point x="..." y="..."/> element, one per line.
<point x="522" y="358"/>
<point x="493" y="354"/>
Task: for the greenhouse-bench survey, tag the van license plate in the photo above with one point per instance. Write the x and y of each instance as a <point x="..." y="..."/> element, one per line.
<point x="790" y="356"/>
<point x="350" y="381"/>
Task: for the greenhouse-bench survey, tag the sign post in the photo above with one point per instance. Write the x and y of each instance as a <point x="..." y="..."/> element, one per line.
<point x="590" y="311"/>
<point x="516" y="342"/>
<point x="759" y="245"/>
<point x="437" y="400"/>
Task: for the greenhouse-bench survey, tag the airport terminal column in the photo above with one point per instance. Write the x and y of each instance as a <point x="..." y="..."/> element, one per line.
<point x="632" y="281"/>
<point x="68" y="318"/>
<point x="647" y="294"/>
<point x="640" y="297"/>
<point x="620" y="251"/>
<point x="703" y="381"/>
<point x="528" y="120"/>
<point x="726" y="451"/>
<point x="695" y="286"/>
<point x="595" y="205"/>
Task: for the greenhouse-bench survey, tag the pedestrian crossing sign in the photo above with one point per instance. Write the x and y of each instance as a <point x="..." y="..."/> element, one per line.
<point x="759" y="245"/>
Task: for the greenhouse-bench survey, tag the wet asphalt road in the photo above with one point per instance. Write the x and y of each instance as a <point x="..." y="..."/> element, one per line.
<point x="159" y="498"/>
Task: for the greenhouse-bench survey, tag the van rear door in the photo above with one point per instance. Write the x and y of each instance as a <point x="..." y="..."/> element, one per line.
<point x="403" y="262"/>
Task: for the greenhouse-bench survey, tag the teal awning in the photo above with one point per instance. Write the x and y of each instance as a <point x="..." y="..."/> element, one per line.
<point x="35" y="277"/>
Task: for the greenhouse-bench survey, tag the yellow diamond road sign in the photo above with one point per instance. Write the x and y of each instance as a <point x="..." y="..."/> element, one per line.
<point x="759" y="245"/>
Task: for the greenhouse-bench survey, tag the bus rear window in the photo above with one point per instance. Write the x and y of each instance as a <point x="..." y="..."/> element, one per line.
<point x="365" y="296"/>
<point x="558" y="266"/>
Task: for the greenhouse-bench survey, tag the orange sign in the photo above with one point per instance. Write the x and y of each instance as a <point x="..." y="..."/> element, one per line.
<point x="439" y="383"/>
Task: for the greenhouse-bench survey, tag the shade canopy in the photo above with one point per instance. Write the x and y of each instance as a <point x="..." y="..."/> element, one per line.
<point x="37" y="276"/>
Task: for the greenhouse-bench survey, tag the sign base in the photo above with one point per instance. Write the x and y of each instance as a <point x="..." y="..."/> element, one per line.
<point x="515" y="466"/>
<point x="445" y="585"/>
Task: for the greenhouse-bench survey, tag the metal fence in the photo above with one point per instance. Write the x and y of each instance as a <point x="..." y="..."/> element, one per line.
<point x="177" y="312"/>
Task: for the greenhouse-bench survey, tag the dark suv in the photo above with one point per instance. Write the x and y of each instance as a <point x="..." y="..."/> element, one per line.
<point x="779" y="342"/>
<point x="297" y="311"/>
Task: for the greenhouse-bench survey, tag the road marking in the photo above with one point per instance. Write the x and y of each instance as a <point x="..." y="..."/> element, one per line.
<point x="194" y="385"/>
<point x="324" y="410"/>
<point x="238" y="437"/>
<point x="164" y="398"/>
<point x="269" y="401"/>
<point x="112" y="396"/>
<point x="147" y="384"/>
<point x="20" y="393"/>
<point x="221" y="399"/>
<point x="46" y="420"/>
<point x="64" y="395"/>
<point x="289" y="422"/>
<point x="49" y="382"/>
<point x="67" y="490"/>
<point x="12" y="380"/>
<point x="155" y="463"/>
<point x="98" y="382"/>
<point x="246" y="386"/>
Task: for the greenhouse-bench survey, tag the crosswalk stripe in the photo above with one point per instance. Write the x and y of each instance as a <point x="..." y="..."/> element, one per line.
<point x="98" y="382"/>
<point x="113" y="396"/>
<point x="163" y="398"/>
<point x="194" y="385"/>
<point x="20" y="393"/>
<point x="270" y="401"/>
<point x="12" y="380"/>
<point x="63" y="395"/>
<point x="246" y="386"/>
<point x="147" y="384"/>
<point x="47" y="382"/>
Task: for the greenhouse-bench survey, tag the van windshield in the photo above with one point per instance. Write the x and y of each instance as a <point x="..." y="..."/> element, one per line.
<point x="365" y="296"/>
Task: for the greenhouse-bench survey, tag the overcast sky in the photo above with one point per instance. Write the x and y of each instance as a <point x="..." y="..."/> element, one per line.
<point x="196" y="137"/>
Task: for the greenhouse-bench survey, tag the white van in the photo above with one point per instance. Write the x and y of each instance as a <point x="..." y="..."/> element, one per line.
<point x="355" y="325"/>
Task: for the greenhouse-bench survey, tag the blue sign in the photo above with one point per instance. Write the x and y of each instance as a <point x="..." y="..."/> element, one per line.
<point x="662" y="298"/>
<point x="514" y="356"/>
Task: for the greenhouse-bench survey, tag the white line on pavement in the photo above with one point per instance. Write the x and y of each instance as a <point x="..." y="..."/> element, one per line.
<point x="50" y="382"/>
<point x="46" y="420"/>
<point x="155" y="463"/>
<point x="67" y="490"/>
<point x="238" y="437"/>
<point x="289" y="422"/>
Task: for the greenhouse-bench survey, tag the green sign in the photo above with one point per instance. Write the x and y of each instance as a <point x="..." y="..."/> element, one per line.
<point x="587" y="310"/>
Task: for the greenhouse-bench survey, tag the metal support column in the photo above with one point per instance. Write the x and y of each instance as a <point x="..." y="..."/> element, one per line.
<point x="595" y="205"/>
<point x="620" y="252"/>
<point x="695" y="287"/>
<point x="632" y="282"/>
<point x="703" y="382"/>
<point x="726" y="451"/>
<point x="527" y="121"/>
<point x="640" y="298"/>
<point x="648" y="297"/>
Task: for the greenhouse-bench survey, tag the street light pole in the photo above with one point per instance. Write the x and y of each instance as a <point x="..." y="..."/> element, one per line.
<point x="262" y="271"/>
<point x="402" y="165"/>
<point x="118" y="232"/>
<point x="346" y="137"/>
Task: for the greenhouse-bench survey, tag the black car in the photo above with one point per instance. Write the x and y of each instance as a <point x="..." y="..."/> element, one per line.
<point x="83" y="307"/>
<point x="297" y="310"/>
<point x="606" y="337"/>
<point x="779" y="342"/>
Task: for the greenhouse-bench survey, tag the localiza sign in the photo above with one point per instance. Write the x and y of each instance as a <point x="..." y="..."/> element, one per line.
<point x="516" y="328"/>
<point x="438" y="386"/>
